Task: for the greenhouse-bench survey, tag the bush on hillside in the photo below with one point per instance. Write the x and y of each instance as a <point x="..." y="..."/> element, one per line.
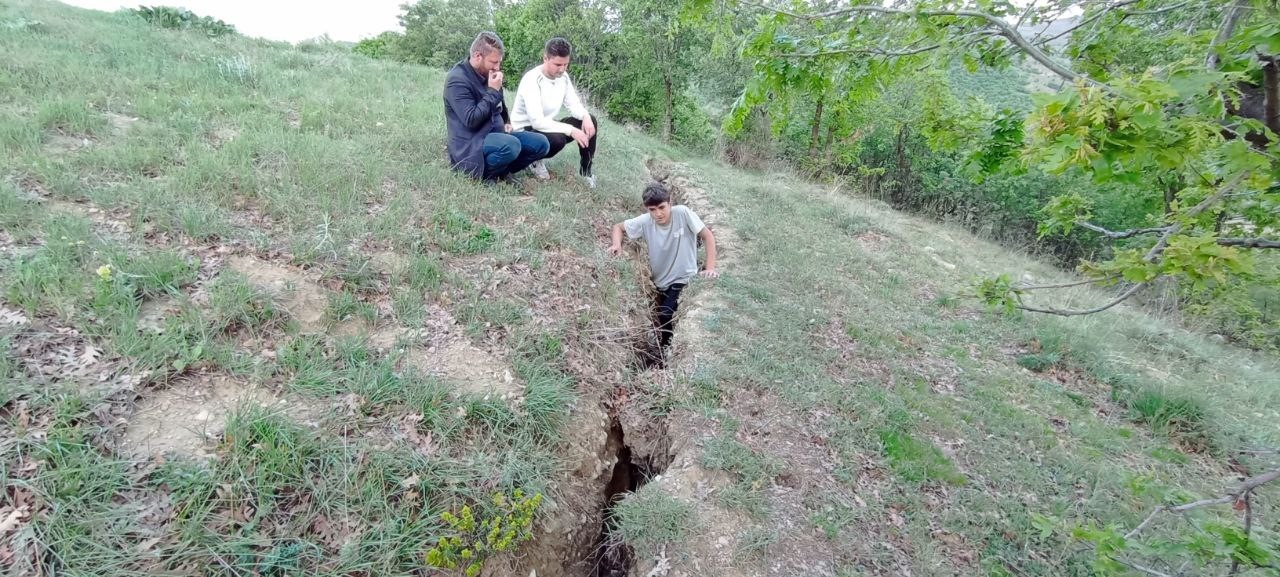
<point x="382" y="46"/>
<point x="183" y="19"/>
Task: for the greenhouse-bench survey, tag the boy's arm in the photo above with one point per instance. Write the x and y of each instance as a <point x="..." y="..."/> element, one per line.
<point x="615" y="249"/>
<point x="709" y="239"/>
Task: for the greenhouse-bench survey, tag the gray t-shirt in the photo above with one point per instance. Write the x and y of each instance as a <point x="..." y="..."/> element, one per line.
<point x="673" y="249"/>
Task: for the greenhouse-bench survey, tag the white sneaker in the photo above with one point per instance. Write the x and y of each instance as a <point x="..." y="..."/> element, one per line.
<point x="540" y="170"/>
<point x="591" y="181"/>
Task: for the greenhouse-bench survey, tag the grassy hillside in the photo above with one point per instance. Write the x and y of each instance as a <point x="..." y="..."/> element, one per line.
<point x="253" y="325"/>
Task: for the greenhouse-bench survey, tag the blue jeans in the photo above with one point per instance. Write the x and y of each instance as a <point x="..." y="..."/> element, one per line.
<point x="510" y="153"/>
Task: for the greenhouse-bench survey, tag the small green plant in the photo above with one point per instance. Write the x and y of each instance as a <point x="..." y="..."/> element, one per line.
<point x="916" y="460"/>
<point x="424" y="273"/>
<point x="1039" y="362"/>
<point x="407" y="306"/>
<point x="235" y="303"/>
<point x="70" y="116"/>
<point x="754" y="542"/>
<point x="474" y="541"/>
<point x="459" y="235"/>
<point x="238" y="69"/>
<point x="158" y="273"/>
<point x="346" y="305"/>
<point x="752" y="468"/>
<point x="1174" y="415"/>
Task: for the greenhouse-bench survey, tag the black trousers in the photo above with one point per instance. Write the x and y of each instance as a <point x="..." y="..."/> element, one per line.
<point x="559" y="141"/>
<point x="666" y="303"/>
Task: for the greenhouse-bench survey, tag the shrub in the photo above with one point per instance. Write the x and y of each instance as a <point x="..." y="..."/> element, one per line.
<point x="183" y="19"/>
<point x="474" y="540"/>
<point x="385" y="45"/>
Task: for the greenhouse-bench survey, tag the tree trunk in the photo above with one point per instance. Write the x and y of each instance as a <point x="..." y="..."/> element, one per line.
<point x="902" y="169"/>
<point x="668" y="120"/>
<point x="1271" y="94"/>
<point x="826" y="146"/>
<point x="814" y="130"/>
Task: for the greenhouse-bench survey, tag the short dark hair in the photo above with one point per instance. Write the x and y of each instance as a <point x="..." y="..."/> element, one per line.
<point x="557" y="47"/>
<point x="655" y="194"/>
<point x="487" y="42"/>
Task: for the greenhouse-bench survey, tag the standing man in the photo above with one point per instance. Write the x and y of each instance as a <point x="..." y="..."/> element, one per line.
<point x="480" y="141"/>
<point x="543" y="91"/>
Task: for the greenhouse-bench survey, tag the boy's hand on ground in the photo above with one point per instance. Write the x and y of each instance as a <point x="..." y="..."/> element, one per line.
<point x="580" y="137"/>
<point x="710" y="273"/>
<point x="615" y="249"/>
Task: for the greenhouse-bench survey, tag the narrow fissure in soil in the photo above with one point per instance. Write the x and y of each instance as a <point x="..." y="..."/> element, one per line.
<point x="611" y="557"/>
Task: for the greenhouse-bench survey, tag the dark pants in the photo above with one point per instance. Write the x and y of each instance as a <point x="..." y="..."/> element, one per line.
<point x="559" y="140"/>
<point x="667" y="301"/>
<point x="510" y="153"/>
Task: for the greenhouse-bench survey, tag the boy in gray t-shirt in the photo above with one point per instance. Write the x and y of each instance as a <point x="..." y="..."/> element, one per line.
<point x="671" y="233"/>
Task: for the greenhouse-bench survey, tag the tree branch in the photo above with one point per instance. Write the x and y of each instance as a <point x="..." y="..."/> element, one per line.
<point x="1225" y="31"/>
<point x="1137" y="567"/>
<point x="1121" y="234"/>
<point x="1194" y="211"/>
<point x="1077" y="312"/>
<point x="1256" y="481"/>
<point x="1106" y="10"/>
<point x="1145" y="522"/>
<point x="1001" y="27"/>
<point x="868" y="50"/>
<point x="1250" y="242"/>
<point x="1033" y="287"/>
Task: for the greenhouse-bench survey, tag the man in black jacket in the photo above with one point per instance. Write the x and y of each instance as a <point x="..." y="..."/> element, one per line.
<point x="480" y="141"/>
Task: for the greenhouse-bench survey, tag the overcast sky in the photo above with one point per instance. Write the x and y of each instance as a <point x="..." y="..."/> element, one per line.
<point x="289" y="20"/>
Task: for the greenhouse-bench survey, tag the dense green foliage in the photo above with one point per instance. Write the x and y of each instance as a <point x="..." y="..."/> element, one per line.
<point x="181" y="19"/>
<point x="439" y="32"/>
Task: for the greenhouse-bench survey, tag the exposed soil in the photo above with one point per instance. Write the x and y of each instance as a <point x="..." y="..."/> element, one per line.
<point x="298" y="292"/>
<point x="187" y="418"/>
<point x="476" y="371"/>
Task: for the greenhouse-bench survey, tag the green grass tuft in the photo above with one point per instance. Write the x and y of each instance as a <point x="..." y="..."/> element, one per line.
<point x="917" y="461"/>
<point x="650" y="517"/>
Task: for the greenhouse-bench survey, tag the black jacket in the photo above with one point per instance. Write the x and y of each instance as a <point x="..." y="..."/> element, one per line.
<point x="471" y="111"/>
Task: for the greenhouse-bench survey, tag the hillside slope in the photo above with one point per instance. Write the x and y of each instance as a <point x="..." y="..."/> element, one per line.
<point x="254" y="325"/>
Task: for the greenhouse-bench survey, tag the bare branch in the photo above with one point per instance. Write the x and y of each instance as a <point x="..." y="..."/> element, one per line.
<point x="1250" y="242"/>
<point x="1033" y="287"/>
<point x="1145" y="522"/>
<point x="1132" y="290"/>
<point x="1155" y="11"/>
<point x="1256" y="481"/>
<point x="1121" y="234"/>
<point x="1103" y="12"/>
<point x="1234" y="13"/>
<point x="1203" y="503"/>
<point x="1141" y="568"/>
<point x="1023" y="18"/>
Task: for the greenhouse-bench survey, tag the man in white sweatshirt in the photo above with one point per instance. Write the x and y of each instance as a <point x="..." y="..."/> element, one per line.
<point x="543" y="91"/>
